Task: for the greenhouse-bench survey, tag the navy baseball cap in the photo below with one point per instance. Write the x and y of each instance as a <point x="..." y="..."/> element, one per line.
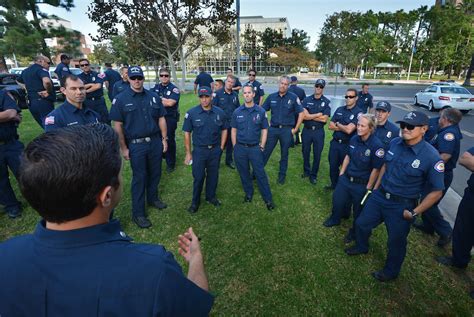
<point x="415" y="118"/>
<point x="321" y="82"/>
<point x="204" y="91"/>
<point x="135" y="71"/>
<point x="294" y="78"/>
<point x="383" y="105"/>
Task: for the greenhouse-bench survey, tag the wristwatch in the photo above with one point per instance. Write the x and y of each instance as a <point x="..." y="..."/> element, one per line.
<point x="412" y="213"/>
<point x="165" y="138"/>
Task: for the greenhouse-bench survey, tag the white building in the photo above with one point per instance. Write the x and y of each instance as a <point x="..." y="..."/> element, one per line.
<point x="259" y="24"/>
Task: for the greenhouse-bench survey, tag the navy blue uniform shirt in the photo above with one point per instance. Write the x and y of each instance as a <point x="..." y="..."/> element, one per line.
<point x="203" y="79"/>
<point x="119" y="87"/>
<point x="345" y="116"/>
<point x="206" y="125"/>
<point x="283" y="108"/>
<point x="169" y="91"/>
<point x="62" y="70"/>
<point x="93" y="78"/>
<point x="364" y="101"/>
<point x="448" y="141"/>
<point x="297" y="91"/>
<point x="387" y="132"/>
<point x="139" y="113"/>
<point x="237" y="82"/>
<point x="257" y="89"/>
<point x="94" y="271"/>
<point x="433" y="127"/>
<point x="364" y="156"/>
<point x="67" y="114"/>
<point x="470" y="181"/>
<point x="410" y="168"/>
<point x="32" y="77"/>
<point x="8" y="130"/>
<point x="313" y="106"/>
<point x="227" y="102"/>
<point x="112" y="76"/>
<point x="249" y="123"/>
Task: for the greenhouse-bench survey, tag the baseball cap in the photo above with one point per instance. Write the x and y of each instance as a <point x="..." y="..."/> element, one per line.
<point x="294" y="78"/>
<point x="321" y="82"/>
<point x="415" y="118"/>
<point x="383" y="105"/>
<point x="205" y="91"/>
<point x="134" y="71"/>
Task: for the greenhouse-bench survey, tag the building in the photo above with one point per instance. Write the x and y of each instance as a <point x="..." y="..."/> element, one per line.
<point x="260" y="24"/>
<point x="448" y="2"/>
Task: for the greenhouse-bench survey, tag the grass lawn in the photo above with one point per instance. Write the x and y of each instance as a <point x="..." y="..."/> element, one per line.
<point x="283" y="262"/>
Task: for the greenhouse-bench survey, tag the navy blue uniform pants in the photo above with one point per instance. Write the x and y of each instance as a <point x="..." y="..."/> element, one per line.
<point x="145" y="160"/>
<point x="285" y="137"/>
<point x="345" y="196"/>
<point x="312" y="139"/>
<point x="463" y="233"/>
<point x="378" y="209"/>
<point x="170" y="155"/>
<point x="10" y="153"/>
<point x="246" y="156"/>
<point x="432" y="218"/>
<point x="40" y="108"/>
<point x="205" y="166"/>
<point x="229" y="148"/>
<point x="337" y="153"/>
<point x="99" y="106"/>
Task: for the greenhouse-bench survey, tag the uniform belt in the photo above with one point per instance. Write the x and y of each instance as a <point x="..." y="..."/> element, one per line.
<point x="141" y="140"/>
<point x="281" y="126"/>
<point x="313" y="127"/>
<point x="209" y="146"/>
<point x="357" y="180"/>
<point x="396" y="198"/>
<point x="341" y="140"/>
<point x="94" y="98"/>
<point x="248" y="144"/>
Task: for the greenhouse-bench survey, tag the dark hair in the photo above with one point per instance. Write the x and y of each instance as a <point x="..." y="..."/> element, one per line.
<point x="229" y="68"/>
<point x="70" y="77"/>
<point x="365" y="84"/>
<point x="454" y="116"/>
<point x="63" y="57"/>
<point x="164" y="70"/>
<point x="64" y="170"/>
<point x="248" y="85"/>
<point x="220" y="81"/>
<point x="108" y="64"/>
<point x="252" y="70"/>
<point x="353" y="90"/>
<point x="84" y="60"/>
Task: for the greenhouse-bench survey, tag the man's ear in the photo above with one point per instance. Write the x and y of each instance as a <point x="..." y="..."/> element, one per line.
<point x="105" y="197"/>
<point x="62" y="89"/>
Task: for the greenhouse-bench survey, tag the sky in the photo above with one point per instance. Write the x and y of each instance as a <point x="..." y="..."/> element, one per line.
<point x="308" y="15"/>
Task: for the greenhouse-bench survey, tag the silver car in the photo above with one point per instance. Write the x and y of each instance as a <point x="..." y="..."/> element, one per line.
<point x="445" y="96"/>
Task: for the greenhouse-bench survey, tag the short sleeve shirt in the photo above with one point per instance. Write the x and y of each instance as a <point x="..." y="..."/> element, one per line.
<point x="283" y="108"/>
<point x="206" y="125"/>
<point x="119" y="87"/>
<point x="298" y="91"/>
<point x="62" y="70"/>
<point x="364" y="156"/>
<point x="316" y="105"/>
<point x="448" y="141"/>
<point x="32" y="77"/>
<point x="93" y="78"/>
<point x="169" y="91"/>
<point x="67" y="115"/>
<point x="386" y="133"/>
<point x="203" y="79"/>
<point x="249" y="122"/>
<point x="345" y="116"/>
<point x="364" y="101"/>
<point x="227" y="102"/>
<point x="257" y="89"/>
<point x="8" y="130"/>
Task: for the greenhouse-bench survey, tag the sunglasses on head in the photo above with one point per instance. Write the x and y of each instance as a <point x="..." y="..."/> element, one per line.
<point x="83" y="65"/>
<point x="319" y="86"/>
<point x="136" y="78"/>
<point x="164" y="75"/>
<point x="407" y="126"/>
<point x="349" y="97"/>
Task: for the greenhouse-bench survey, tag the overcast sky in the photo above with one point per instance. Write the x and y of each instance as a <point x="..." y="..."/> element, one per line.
<point x="308" y="15"/>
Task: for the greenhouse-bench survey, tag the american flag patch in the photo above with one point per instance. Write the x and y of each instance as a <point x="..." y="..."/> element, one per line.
<point x="49" y="120"/>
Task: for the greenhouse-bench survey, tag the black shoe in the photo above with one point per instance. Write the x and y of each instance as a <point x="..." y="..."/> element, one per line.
<point x="281" y="180"/>
<point x="158" y="204"/>
<point x="14" y="213"/>
<point x="170" y="169"/>
<point x="443" y="241"/>
<point x="346" y="216"/>
<point x="348" y="238"/>
<point x="448" y="261"/>
<point x="231" y="165"/>
<point x="270" y="205"/>
<point x="423" y="228"/>
<point x="247" y="199"/>
<point x="304" y="175"/>
<point x="354" y="251"/>
<point x="328" y="187"/>
<point x="142" y="221"/>
<point x="382" y="277"/>
<point x="313" y="181"/>
<point x="330" y="223"/>
<point x="193" y="208"/>
<point x="214" y="201"/>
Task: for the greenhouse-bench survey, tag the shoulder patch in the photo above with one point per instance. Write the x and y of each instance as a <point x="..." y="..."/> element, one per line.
<point x="113" y="101"/>
<point x="176" y="90"/>
<point x="186" y="115"/>
<point x="439" y="166"/>
<point x="49" y="120"/>
<point x="380" y="153"/>
<point x="102" y="75"/>
<point x="449" y="136"/>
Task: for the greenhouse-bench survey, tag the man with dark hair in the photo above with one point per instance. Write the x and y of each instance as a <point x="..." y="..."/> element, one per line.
<point x="111" y="77"/>
<point x="218" y="84"/>
<point x="169" y="95"/>
<point x="257" y="87"/>
<point x="203" y="79"/>
<point x="77" y="262"/>
<point x="343" y="123"/>
<point x="38" y="83"/>
<point x="386" y="131"/>
<point x="10" y="151"/>
<point x="364" y="99"/>
<point x="63" y="68"/>
<point x="139" y="119"/>
<point x="94" y="90"/>
<point x="122" y="84"/>
<point x="72" y="111"/>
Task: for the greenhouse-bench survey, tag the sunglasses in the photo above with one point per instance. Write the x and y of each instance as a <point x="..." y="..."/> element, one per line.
<point x="136" y="78"/>
<point x="164" y="75"/>
<point x="319" y="86"/>
<point x="407" y="126"/>
<point x="83" y="65"/>
<point x="253" y="75"/>
<point x="349" y="97"/>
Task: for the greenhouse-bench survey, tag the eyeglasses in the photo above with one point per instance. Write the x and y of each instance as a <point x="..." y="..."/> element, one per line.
<point x="349" y="97"/>
<point x="164" y="75"/>
<point x="253" y="75"/>
<point x="83" y="65"/>
<point x="319" y="86"/>
<point x="136" y="78"/>
<point x="407" y="126"/>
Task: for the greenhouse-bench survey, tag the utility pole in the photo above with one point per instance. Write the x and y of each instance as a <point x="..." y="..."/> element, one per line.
<point x="238" y="37"/>
<point x="413" y="49"/>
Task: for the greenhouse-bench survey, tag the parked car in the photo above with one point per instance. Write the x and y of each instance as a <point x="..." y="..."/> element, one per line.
<point x="16" y="71"/>
<point x="8" y="82"/>
<point x="304" y="70"/>
<point x="57" y="84"/>
<point x="445" y="96"/>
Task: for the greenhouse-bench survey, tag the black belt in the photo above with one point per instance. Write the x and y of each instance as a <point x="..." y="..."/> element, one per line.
<point x="357" y="180"/>
<point x="341" y="141"/>
<point x="209" y="146"/>
<point x="94" y="98"/>
<point x="280" y="126"/>
<point x="248" y="144"/>
<point x="141" y="140"/>
<point x="312" y="127"/>
<point x="396" y="198"/>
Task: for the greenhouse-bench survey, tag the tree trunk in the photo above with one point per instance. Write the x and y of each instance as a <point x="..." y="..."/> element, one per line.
<point x="183" y="69"/>
<point x="3" y="64"/>
<point x="467" y="82"/>
<point x="169" y="57"/>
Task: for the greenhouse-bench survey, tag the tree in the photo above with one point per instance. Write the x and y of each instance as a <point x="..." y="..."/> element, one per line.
<point x="298" y="39"/>
<point x="251" y="44"/>
<point x="292" y="57"/>
<point x="170" y="28"/>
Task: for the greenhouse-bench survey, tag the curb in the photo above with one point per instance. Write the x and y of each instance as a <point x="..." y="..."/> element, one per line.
<point x="449" y="206"/>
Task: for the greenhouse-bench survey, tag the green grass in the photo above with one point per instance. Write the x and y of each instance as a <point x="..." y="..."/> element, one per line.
<point x="284" y="262"/>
